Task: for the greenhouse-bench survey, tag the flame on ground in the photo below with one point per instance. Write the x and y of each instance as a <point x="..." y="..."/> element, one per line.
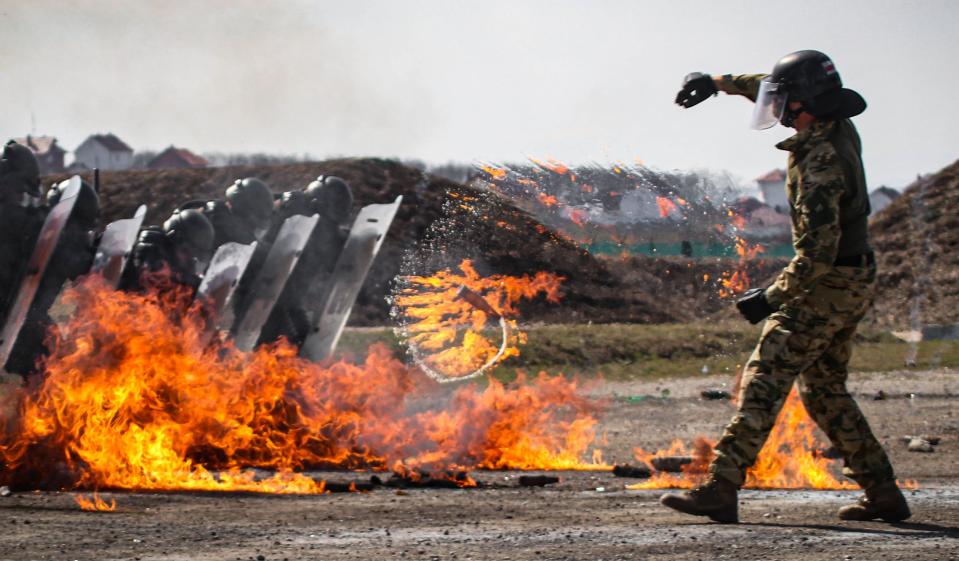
<point x="790" y="459"/>
<point x="451" y="335"/>
<point x="131" y="399"/>
<point x="95" y="504"/>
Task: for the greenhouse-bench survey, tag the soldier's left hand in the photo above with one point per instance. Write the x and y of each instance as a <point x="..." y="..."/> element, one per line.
<point x="697" y="87"/>
<point x="753" y="305"/>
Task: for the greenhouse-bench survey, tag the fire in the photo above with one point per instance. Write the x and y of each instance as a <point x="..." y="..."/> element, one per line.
<point x="666" y="206"/>
<point x="552" y="165"/>
<point x="790" y="459"/>
<point x="737" y="281"/>
<point x="96" y="504"/>
<point x="497" y="174"/>
<point x="546" y="199"/>
<point x="131" y="398"/>
<point x="451" y="333"/>
<point x="578" y="216"/>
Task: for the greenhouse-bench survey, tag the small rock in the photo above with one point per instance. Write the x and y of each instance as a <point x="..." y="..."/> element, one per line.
<point x="880" y="395"/>
<point x="920" y="445"/>
<point x="714" y="394"/>
<point x="4" y="491"/>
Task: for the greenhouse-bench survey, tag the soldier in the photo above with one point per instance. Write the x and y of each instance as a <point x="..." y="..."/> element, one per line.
<point x="183" y="245"/>
<point x="21" y="216"/>
<point x="71" y="258"/>
<point x="817" y="301"/>
<point x="331" y="198"/>
<point x="244" y="216"/>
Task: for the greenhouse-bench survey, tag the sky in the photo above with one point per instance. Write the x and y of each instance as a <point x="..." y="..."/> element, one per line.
<point x="463" y="81"/>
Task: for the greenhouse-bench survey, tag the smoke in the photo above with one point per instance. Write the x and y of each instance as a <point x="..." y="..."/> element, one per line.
<point x="238" y="76"/>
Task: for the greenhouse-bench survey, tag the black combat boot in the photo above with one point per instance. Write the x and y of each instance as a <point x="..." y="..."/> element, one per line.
<point x="717" y="499"/>
<point x="881" y="501"/>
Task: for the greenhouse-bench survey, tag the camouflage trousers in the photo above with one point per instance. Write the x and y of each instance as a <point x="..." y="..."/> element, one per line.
<point x="811" y="341"/>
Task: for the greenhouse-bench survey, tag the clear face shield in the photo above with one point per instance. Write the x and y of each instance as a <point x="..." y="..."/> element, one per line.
<point x="770" y="105"/>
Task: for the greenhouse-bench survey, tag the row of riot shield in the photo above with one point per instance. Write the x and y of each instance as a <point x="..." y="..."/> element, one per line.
<point x="327" y="309"/>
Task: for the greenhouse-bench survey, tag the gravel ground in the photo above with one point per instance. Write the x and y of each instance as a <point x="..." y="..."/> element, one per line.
<point x="570" y="520"/>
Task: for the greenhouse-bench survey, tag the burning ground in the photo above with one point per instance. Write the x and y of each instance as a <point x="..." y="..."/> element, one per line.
<point x="133" y="411"/>
<point x="569" y="520"/>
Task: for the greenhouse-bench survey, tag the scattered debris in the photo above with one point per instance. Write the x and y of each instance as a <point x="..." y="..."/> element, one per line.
<point x="457" y="480"/>
<point x="627" y="470"/>
<point x="920" y="445"/>
<point x="537" y="480"/>
<point x="934" y="440"/>
<point x="672" y="464"/>
<point x="714" y="394"/>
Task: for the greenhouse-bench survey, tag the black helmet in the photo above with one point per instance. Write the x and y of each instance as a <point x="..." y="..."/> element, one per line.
<point x="86" y="211"/>
<point x="190" y="230"/>
<point x="251" y="200"/>
<point x="811" y="78"/>
<point x="19" y="175"/>
<point x="331" y="197"/>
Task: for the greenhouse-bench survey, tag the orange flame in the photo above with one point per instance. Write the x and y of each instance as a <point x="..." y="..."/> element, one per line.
<point x="450" y="332"/>
<point x="666" y="206"/>
<point x="738" y="281"/>
<point x="579" y="216"/>
<point x="95" y="505"/>
<point x="132" y="399"/>
<point x="546" y="199"/>
<point x="552" y="165"/>
<point x="790" y="459"/>
<point x="497" y="174"/>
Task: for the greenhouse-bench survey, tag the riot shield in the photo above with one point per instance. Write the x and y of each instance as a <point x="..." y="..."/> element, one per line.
<point x="116" y="243"/>
<point x="227" y="267"/>
<point x="47" y="242"/>
<point x="271" y="279"/>
<point x="366" y="236"/>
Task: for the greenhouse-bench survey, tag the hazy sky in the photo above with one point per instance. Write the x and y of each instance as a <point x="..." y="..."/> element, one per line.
<point x="471" y="81"/>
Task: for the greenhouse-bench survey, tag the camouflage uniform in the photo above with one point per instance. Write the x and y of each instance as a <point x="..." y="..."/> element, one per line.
<point x="818" y="306"/>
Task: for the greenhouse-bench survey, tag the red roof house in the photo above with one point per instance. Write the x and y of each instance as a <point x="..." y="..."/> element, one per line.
<point x="174" y="157"/>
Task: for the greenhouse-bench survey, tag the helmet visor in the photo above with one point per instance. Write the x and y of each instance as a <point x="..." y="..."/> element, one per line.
<point x="770" y="104"/>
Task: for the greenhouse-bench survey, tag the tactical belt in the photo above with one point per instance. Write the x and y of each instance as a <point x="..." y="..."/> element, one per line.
<point x="861" y="260"/>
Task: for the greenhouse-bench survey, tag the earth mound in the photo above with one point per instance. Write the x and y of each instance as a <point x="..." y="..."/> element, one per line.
<point x="439" y="223"/>
<point x="916" y="239"/>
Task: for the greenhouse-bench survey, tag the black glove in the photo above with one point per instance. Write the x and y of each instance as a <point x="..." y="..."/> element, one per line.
<point x="753" y="305"/>
<point x="696" y="88"/>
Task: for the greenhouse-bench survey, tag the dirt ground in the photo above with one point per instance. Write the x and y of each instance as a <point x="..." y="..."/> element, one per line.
<point x="588" y="515"/>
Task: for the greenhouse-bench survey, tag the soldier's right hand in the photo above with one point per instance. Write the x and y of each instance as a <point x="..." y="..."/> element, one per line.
<point x="696" y="88"/>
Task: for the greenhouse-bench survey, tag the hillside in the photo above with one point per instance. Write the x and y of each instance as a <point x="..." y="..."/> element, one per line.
<point x="917" y="244"/>
<point x="439" y="223"/>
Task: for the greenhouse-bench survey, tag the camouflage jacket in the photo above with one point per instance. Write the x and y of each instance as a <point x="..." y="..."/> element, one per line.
<point x="826" y="189"/>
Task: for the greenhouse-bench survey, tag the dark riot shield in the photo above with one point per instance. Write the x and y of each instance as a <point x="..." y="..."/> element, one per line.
<point x="366" y="236"/>
<point x="269" y="282"/>
<point x="116" y="243"/>
<point x="47" y="242"/>
<point x="227" y="267"/>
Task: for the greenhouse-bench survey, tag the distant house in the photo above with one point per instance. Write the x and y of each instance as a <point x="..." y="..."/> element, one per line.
<point x="174" y="157"/>
<point x="48" y="152"/>
<point x="103" y="151"/>
<point x="881" y="197"/>
<point x="773" y="189"/>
